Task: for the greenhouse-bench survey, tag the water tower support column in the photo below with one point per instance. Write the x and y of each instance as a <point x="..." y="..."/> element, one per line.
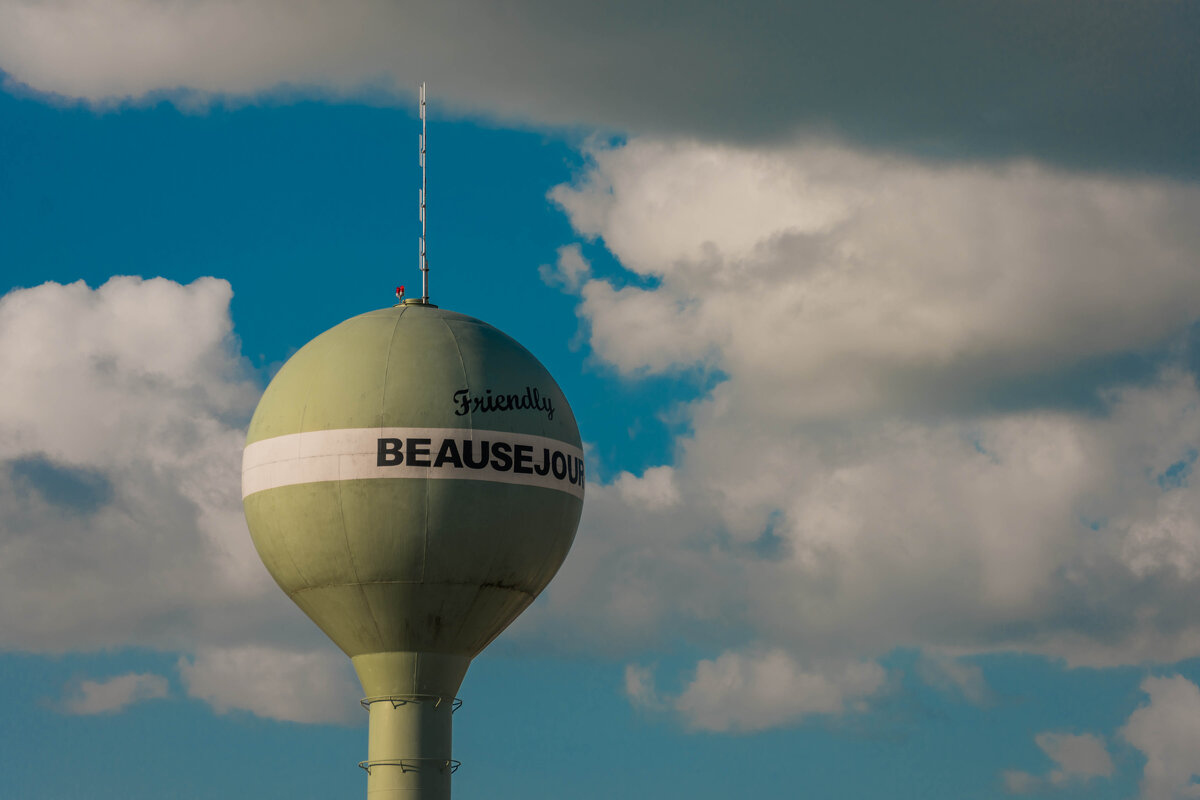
<point x="409" y="752"/>
<point x="411" y="698"/>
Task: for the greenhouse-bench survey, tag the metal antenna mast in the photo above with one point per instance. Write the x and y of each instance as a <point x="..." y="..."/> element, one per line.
<point x="424" y="261"/>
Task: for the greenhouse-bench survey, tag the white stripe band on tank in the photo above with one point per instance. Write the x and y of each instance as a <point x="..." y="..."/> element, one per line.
<point x="434" y="453"/>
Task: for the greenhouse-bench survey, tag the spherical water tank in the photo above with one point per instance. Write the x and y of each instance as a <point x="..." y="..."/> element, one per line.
<point x="412" y="479"/>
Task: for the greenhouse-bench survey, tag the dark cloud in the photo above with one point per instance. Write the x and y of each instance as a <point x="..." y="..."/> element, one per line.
<point x="1081" y="83"/>
<point x="1096" y="85"/>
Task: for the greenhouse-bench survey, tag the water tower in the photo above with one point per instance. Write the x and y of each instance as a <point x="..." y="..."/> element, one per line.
<point x="412" y="479"/>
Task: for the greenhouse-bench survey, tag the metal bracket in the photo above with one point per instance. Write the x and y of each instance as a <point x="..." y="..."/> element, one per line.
<point x="398" y="700"/>
<point x="412" y="764"/>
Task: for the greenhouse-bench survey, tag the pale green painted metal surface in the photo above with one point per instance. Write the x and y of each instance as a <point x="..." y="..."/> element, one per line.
<point x="411" y="576"/>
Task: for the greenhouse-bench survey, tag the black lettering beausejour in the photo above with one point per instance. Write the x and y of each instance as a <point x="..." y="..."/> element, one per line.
<point x="389" y="453"/>
<point x="448" y="452"/>
<point x="468" y="454"/>
<point x="502" y="456"/>
<point x="532" y="400"/>
<point x="418" y="452"/>
<point x="523" y="455"/>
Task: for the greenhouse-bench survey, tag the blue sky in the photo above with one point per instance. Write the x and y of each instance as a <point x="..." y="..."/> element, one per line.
<point x="880" y="330"/>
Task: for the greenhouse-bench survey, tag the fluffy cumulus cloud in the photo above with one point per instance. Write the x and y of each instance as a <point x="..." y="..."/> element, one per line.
<point x="121" y="428"/>
<point x="927" y="428"/>
<point x="1167" y="731"/>
<point x="755" y="690"/>
<point x="114" y="694"/>
<point x="995" y="76"/>
<point x="569" y="271"/>
<point x="275" y="683"/>
<point x="834" y="280"/>
<point x="955" y="675"/>
<point x="653" y="490"/>
<point x="1018" y="782"/>
<point x="1078" y="758"/>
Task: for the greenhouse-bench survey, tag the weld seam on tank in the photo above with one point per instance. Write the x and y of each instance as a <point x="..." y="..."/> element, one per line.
<point x="463" y="365"/>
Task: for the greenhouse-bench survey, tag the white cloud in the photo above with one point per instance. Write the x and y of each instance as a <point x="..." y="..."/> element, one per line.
<point x="1167" y="539"/>
<point x="315" y="687"/>
<point x="830" y="281"/>
<point x="756" y="690"/>
<point x="1078" y="757"/>
<point x="1167" y="731"/>
<point x="890" y="458"/>
<point x="114" y="694"/>
<point x="654" y="491"/>
<point x="640" y="688"/>
<point x="997" y="532"/>
<point x="1018" y="782"/>
<point x="945" y="672"/>
<point x="569" y="272"/>
<point x="121" y="429"/>
<point x="133" y="47"/>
